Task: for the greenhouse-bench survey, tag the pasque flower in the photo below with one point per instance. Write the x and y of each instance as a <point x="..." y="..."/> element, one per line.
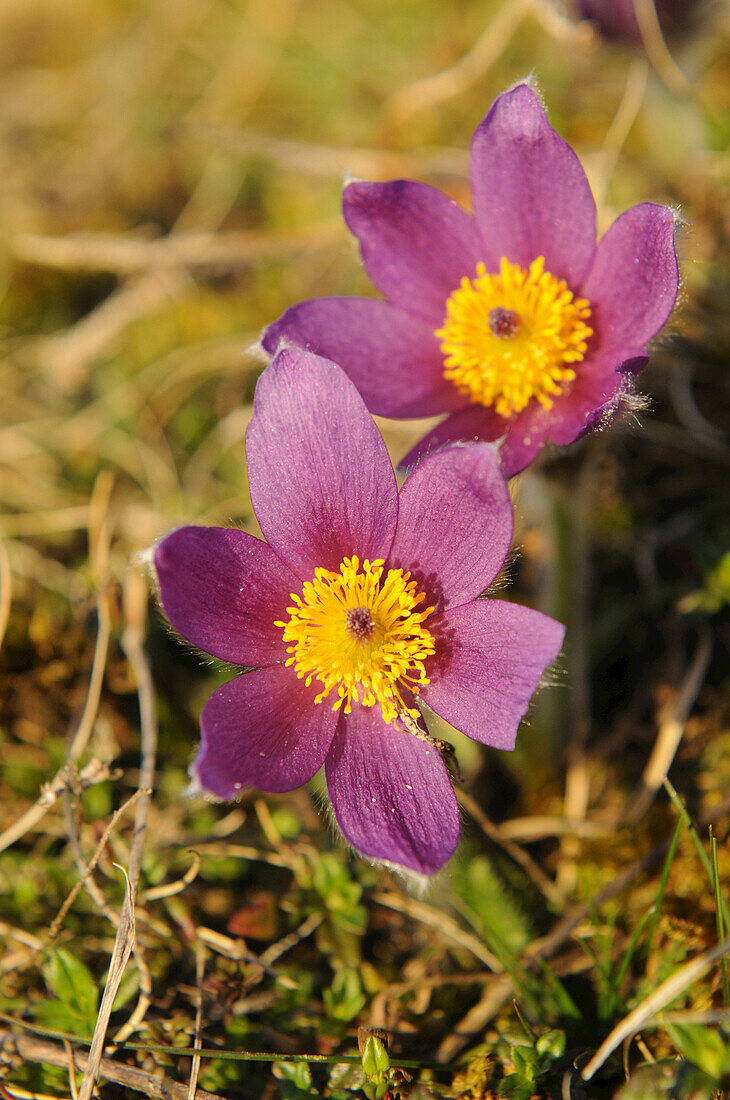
<point x="510" y="319"/>
<point x="361" y="601"/>
<point x="617" y="18"/>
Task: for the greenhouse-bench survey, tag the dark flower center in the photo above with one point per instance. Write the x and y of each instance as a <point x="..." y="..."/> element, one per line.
<point x="360" y="625"/>
<point x="504" y="322"/>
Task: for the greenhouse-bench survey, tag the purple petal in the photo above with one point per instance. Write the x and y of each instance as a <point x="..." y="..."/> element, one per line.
<point x="633" y="282"/>
<point x="321" y="481"/>
<point x="491" y="657"/>
<point x="263" y="730"/>
<point x="416" y="243"/>
<point x="530" y="195"/>
<point x="223" y="590"/>
<point x="391" y="793"/>
<point x="596" y="394"/>
<point x="454" y="523"/>
<point x="519" y="439"/>
<point x="393" y="358"/>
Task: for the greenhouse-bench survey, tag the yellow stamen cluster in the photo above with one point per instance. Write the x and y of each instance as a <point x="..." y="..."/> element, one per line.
<point x="509" y="338"/>
<point x="359" y="633"/>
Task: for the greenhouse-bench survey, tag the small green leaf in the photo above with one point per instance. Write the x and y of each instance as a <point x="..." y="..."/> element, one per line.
<point x="702" y="1046"/>
<point x="345" y="997"/>
<point x="74" y="986"/>
<point x="551" y="1044"/>
<point x="297" y="1074"/>
<point x="523" y="1059"/>
<point x="375" y="1060"/>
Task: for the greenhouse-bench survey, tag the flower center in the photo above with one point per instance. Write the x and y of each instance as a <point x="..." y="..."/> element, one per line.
<point x="359" y="633"/>
<point x="511" y="337"/>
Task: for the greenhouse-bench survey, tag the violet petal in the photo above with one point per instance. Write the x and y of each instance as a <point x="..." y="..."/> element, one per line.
<point x="263" y="730"/>
<point x="596" y="389"/>
<point x="223" y="590"/>
<point x="322" y="485"/>
<point x="530" y="195"/>
<point x="393" y="357"/>
<point x="490" y="659"/>
<point x="519" y="439"/>
<point x="391" y="793"/>
<point x="416" y="243"/>
<point x="454" y="523"/>
<point x="633" y="282"/>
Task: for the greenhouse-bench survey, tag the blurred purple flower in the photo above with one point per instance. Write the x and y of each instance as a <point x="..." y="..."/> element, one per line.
<point x="617" y="18"/>
<point x="510" y="319"/>
<point x="360" y="599"/>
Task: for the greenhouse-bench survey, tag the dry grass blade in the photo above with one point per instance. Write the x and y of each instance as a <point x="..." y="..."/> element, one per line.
<point x="618" y="131"/>
<point x="443" y="923"/>
<point x="476" y="1019"/>
<point x="6" y="590"/>
<point x="135" y="612"/>
<point x="656" y="48"/>
<point x="169" y="889"/>
<point x="120" y="956"/>
<point x="271" y="954"/>
<point x="654" y="1003"/>
<point x="197" y="1043"/>
<point x="124" y="255"/>
<point x="671" y="728"/>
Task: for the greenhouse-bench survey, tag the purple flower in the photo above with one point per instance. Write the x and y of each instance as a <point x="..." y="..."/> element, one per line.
<point x="511" y="319"/>
<point x="361" y="599"/>
<point x="617" y="18"/>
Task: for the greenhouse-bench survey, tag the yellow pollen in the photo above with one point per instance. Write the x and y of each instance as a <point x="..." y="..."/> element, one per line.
<point x="510" y="337"/>
<point x="360" y="634"/>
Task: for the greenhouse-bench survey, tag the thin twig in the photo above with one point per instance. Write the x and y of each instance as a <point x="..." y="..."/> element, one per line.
<point x="86" y="872"/>
<point x="68" y="902"/>
<point x="71" y="1070"/>
<point x="271" y="954"/>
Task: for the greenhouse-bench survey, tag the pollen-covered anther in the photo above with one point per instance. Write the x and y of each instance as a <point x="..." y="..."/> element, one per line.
<point x="504" y="322"/>
<point x="512" y="337"/>
<point x="360" y="625"/>
<point x="360" y="634"/>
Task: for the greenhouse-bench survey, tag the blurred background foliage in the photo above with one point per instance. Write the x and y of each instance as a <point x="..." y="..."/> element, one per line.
<point x="171" y="175"/>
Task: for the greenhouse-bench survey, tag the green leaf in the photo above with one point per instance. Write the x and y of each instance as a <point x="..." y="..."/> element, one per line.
<point x="551" y="1044"/>
<point x="297" y="1076"/>
<point x="494" y="911"/>
<point x="523" y="1059"/>
<point x="345" y="997"/>
<point x="73" y="984"/>
<point x="702" y="1046"/>
<point x="57" y="1016"/>
<point x="375" y="1060"/>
